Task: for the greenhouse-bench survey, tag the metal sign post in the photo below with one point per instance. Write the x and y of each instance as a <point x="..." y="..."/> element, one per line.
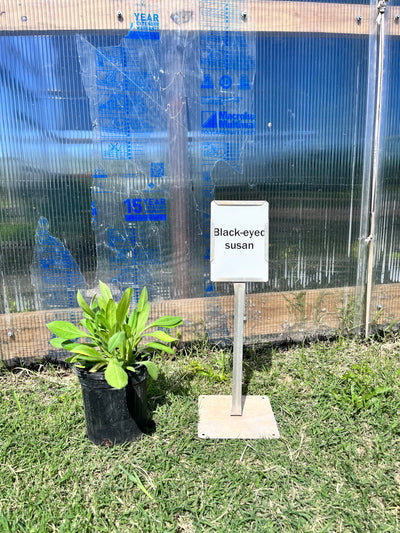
<point x="239" y="253"/>
<point x="239" y="291"/>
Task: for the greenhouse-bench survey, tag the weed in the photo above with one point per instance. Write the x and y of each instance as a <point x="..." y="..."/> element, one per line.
<point x="347" y="317"/>
<point x="358" y="389"/>
<point x="297" y="305"/>
<point x="319" y="309"/>
<point x="133" y="476"/>
<point x="216" y="374"/>
<point x="18" y="403"/>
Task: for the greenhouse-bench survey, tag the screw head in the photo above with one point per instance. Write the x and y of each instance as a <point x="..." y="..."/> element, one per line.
<point x="119" y="15"/>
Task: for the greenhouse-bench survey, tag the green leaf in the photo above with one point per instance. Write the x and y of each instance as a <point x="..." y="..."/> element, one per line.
<point x="88" y="324"/>
<point x="93" y="303"/>
<point x="159" y="346"/>
<point x="57" y="342"/>
<point x="142" y="318"/>
<point x="111" y="312"/>
<point x="135" y="479"/>
<point x="382" y="390"/>
<point x="72" y="358"/>
<point x="133" y="319"/>
<point x="115" y="328"/>
<point x="142" y="300"/>
<point x="105" y="291"/>
<point x="152" y="368"/>
<point x="65" y="330"/>
<point x="161" y="336"/>
<point x="62" y="343"/>
<point x="84" y="349"/>
<point x="116" y="340"/>
<point x="123" y="306"/>
<point x="115" y="375"/>
<point x="101" y="339"/>
<point x="166" y="322"/>
<point x="127" y="330"/>
<point x="83" y="305"/>
<point x="100" y="322"/>
<point x="98" y="366"/>
<point x="88" y="359"/>
<point x="102" y="303"/>
<point x="136" y="341"/>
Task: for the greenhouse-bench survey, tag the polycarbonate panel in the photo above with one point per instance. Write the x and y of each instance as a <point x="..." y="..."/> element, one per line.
<point x="118" y="132"/>
<point x="384" y="307"/>
<point x="45" y="171"/>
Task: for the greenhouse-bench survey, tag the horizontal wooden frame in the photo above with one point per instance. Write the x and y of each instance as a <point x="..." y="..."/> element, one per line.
<point x="285" y="315"/>
<point x="30" y="16"/>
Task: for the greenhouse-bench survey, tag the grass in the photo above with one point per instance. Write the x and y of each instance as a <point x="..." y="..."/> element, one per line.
<point x="335" y="468"/>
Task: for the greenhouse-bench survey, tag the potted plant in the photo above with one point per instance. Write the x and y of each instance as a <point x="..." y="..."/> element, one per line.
<point x="112" y="361"/>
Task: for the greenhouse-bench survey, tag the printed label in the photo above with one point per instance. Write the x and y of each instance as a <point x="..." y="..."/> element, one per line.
<point x="141" y="209"/>
<point x="116" y="150"/>
<point x="145" y="26"/>
<point x="99" y="174"/>
<point x="226" y="122"/>
<point x="239" y="241"/>
<point x="157" y="170"/>
<point x="146" y="21"/>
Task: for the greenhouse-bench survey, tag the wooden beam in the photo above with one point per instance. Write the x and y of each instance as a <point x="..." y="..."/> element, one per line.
<point x="30" y="16"/>
<point x="285" y="315"/>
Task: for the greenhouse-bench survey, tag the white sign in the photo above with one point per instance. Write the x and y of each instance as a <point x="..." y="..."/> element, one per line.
<point x="239" y="241"/>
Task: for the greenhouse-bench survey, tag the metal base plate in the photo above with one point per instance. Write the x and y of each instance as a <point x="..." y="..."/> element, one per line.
<point x="256" y="422"/>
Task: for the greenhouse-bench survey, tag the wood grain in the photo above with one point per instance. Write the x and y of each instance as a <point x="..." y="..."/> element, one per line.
<point x="284" y="315"/>
<point x="260" y="16"/>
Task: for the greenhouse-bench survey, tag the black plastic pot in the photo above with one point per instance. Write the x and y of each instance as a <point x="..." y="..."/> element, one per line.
<point x="114" y="416"/>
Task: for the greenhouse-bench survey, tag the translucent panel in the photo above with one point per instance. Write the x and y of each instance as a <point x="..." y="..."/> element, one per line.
<point x="45" y="162"/>
<point x="306" y="156"/>
<point x="117" y="132"/>
<point x="386" y="265"/>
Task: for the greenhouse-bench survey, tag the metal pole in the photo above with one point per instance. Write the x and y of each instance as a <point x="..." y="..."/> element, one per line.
<point x="239" y="291"/>
<point x="375" y="165"/>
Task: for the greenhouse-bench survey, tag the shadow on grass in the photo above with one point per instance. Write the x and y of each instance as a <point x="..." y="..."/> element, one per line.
<point x="255" y="358"/>
<point x="165" y="385"/>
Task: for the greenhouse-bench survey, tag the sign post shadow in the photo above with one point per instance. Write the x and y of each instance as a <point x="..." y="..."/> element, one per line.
<point x="239" y="253"/>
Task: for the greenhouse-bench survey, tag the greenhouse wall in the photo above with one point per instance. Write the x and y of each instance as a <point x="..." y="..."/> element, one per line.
<point x="123" y="120"/>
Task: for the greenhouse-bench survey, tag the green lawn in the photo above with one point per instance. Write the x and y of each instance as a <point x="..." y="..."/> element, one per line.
<point x="335" y="468"/>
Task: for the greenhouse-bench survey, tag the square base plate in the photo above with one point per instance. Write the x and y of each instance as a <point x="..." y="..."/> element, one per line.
<point x="256" y="422"/>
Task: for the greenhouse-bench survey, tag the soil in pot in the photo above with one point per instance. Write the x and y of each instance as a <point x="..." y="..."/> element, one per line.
<point x="114" y="416"/>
